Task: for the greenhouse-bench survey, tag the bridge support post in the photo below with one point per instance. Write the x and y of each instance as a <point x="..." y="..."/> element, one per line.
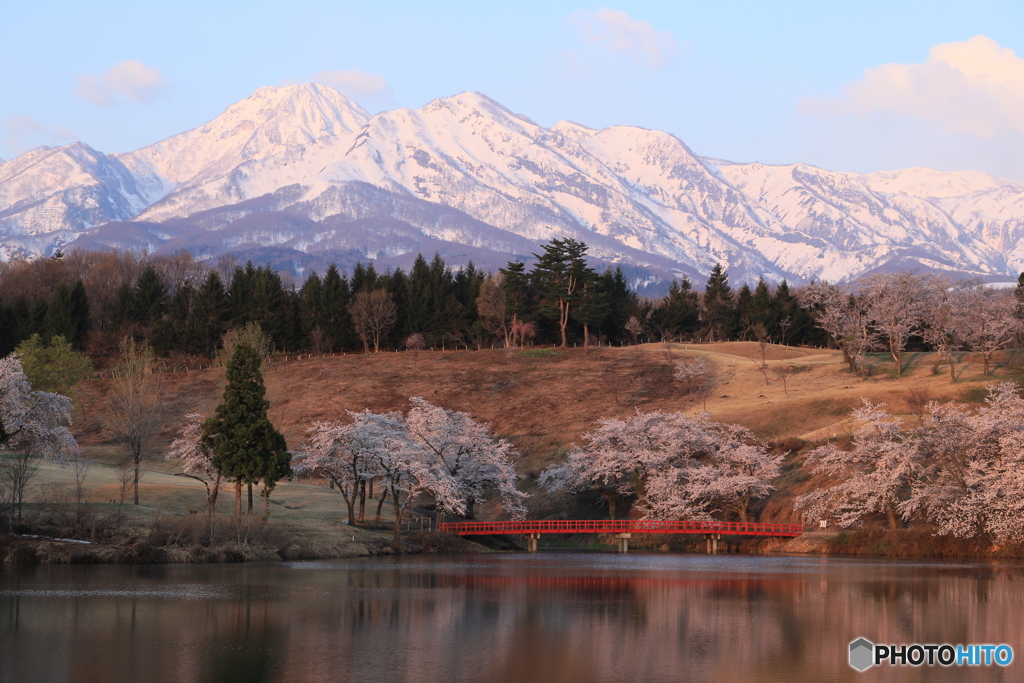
<point x="531" y="542"/>
<point x="712" y="543"/>
<point x="624" y="541"/>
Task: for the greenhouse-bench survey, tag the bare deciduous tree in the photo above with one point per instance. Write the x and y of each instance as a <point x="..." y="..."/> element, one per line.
<point x="134" y="400"/>
<point x="373" y="314"/>
<point x="492" y="307"/>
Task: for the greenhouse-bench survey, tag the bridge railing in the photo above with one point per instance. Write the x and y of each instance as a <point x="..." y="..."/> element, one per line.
<point x="602" y="526"/>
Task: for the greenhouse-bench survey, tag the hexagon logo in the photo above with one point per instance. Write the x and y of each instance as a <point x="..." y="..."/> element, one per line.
<point x="861" y="654"/>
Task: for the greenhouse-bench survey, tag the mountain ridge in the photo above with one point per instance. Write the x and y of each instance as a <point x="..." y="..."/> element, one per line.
<point x="303" y="155"/>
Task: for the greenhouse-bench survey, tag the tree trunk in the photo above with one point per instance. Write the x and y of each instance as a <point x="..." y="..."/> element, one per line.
<point x="212" y="498"/>
<point x="138" y="462"/>
<point x="895" y="358"/>
<point x="586" y="337"/>
<point x="986" y="357"/>
<point x="563" y="320"/>
<point x="398" y="516"/>
<point x="250" y="499"/>
<point x="238" y="498"/>
<point x="890" y="513"/>
<point x="266" y="502"/>
<point x="380" y="504"/>
<point x="612" y="499"/>
<point x="362" y="500"/>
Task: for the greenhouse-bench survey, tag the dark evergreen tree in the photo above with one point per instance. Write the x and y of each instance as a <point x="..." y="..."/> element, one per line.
<point x="208" y="318"/>
<point x="333" y="317"/>
<point x="677" y="316"/>
<point x="149" y="301"/>
<point x="623" y="303"/>
<point x="80" y="313"/>
<point x="59" y="319"/>
<point x="762" y="307"/>
<point x="743" y="321"/>
<point x="310" y="302"/>
<point x="171" y="331"/>
<point x="518" y="291"/>
<point x="466" y="285"/>
<point x="365" y="278"/>
<point x="719" y="309"/>
<point x="559" y="277"/>
<point x="246" y="446"/>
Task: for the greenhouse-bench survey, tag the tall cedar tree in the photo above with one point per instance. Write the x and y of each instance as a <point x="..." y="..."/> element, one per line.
<point x="516" y="285"/>
<point x="59" y="320"/>
<point x="559" y="275"/>
<point x="719" y="309"/>
<point x="245" y="445"/>
<point x="678" y="314"/>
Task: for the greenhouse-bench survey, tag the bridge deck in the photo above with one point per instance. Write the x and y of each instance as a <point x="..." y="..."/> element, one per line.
<point x="619" y="526"/>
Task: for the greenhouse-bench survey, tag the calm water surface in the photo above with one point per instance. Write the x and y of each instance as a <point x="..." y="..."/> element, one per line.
<point x="549" y="617"/>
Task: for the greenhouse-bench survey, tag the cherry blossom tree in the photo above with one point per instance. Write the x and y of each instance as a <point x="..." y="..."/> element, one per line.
<point x="973" y="467"/>
<point x="942" y="327"/>
<point x="676" y="465"/>
<point x="722" y="468"/>
<point x="873" y="475"/>
<point x="615" y="460"/>
<point x="196" y="458"/>
<point x="339" y="453"/>
<point x="698" y="378"/>
<point x="33" y="425"/>
<point x="988" y="320"/>
<point x="405" y="466"/>
<point x="469" y="454"/>
<point x="896" y="303"/>
<point x="831" y="309"/>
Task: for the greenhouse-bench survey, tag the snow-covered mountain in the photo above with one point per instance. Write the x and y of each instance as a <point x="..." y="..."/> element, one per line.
<point x="302" y="175"/>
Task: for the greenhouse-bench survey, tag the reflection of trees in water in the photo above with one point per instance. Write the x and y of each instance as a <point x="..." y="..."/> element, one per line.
<point x="501" y="623"/>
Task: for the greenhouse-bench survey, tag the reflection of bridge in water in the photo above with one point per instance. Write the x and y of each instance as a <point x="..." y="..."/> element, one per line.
<point x="622" y="528"/>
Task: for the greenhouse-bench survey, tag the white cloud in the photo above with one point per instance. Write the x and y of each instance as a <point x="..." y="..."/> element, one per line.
<point x="354" y="83"/>
<point x="974" y="88"/>
<point x="127" y="81"/>
<point x="616" y="31"/>
<point x="25" y="132"/>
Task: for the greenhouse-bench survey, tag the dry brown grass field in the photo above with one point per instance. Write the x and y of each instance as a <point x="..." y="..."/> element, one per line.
<point x="541" y="399"/>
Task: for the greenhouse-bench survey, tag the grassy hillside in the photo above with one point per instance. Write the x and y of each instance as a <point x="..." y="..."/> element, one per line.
<point x="542" y="400"/>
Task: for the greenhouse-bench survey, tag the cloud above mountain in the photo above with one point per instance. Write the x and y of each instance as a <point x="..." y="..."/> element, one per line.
<point x="354" y="83"/>
<point x="616" y="32"/>
<point x="973" y="87"/>
<point x="23" y="132"/>
<point x="129" y="81"/>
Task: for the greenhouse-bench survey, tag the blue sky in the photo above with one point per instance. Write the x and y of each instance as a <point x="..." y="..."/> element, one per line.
<point x="858" y="86"/>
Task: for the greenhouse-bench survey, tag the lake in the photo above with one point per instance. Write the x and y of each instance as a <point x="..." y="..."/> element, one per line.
<point x="547" y="617"/>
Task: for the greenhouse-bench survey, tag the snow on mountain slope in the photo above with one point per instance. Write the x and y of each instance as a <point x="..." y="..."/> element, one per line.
<point x="305" y="170"/>
<point x="273" y="138"/>
<point x="49" y="194"/>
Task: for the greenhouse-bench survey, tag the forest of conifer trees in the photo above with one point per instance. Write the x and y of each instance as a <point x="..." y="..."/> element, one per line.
<point x="183" y="307"/>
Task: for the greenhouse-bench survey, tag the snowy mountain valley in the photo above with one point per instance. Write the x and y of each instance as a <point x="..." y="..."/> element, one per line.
<point x="301" y="176"/>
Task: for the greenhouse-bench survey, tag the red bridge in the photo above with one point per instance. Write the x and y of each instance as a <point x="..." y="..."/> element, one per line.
<point x="623" y="528"/>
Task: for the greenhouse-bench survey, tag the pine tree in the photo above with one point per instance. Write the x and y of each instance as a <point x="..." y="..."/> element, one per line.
<point x="518" y="292"/>
<point x="208" y="318"/>
<point x="80" y="313"/>
<point x="246" y="446"/>
<point x="333" y="317"/>
<point x="678" y="314"/>
<point x="559" y="276"/>
<point x="59" y="320"/>
<point x="150" y="297"/>
<point x="743" y="306"/>
<point x="762" y="306"/>
<point x="719" y="309"/>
